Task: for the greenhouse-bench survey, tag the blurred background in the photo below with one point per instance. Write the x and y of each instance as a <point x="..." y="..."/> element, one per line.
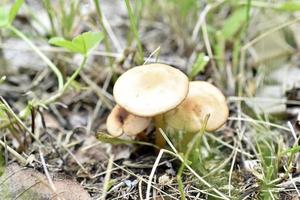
<point x="248" y="49"/>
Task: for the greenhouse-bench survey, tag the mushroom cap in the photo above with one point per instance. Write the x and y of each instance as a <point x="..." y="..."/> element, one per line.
<point x="152" y="89"/>
<point x="119" y="121"/>
<point x="203" y="99"/>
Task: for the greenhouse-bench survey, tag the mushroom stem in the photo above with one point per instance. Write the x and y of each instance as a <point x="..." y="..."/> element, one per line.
<point x="159" y="123"/>
<point x="142" y="136"/>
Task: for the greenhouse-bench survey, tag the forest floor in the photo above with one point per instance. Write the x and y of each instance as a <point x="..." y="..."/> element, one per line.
<point x="51" y="145"/>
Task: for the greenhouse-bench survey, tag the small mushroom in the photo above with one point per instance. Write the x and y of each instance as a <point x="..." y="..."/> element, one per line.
<point x="203" y="99"/>
<point x="121" y="122"/>
<point x="150" y="90"/>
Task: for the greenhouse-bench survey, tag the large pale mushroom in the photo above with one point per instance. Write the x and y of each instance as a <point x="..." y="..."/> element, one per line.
<point x="203" y="99"/>
<point x="120" y="122"/>
<point x="150" y="90"/>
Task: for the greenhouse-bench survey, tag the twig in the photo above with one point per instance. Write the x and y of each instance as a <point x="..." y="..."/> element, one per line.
<point x="107" y="177"/>
<point x="263" y="99"/>
<point x="231" y="170"/>
<point x="294" y="184"/>
<point x="209" y="49"/>
<point x="200" y="21"/>
<point x="140" y="190"/>
<point x="14" y="153"/>
<point x="293" y="132"/>
<point x="47" y="173"/>
<point x="258" y="122"/>
<point x="152" y="173"/>
<point x="111" y="34"/>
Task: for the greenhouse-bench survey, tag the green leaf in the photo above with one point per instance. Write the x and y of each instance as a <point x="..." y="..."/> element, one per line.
<point x="233" y="23"/>
<point x="82" y="44"/>
<point x="139" y="57"/>
<point x="290" y="6"/>
<point x="14" y="10"/>
<point x="199" y="65"/>
<point x="61" y="42"/>
<point x="91" y="40"/>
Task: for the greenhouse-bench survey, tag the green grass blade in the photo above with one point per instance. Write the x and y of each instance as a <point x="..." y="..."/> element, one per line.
<point x="14" y="10"/>
<point x="199" y="65"/>
<point x="41" y="55"/>
<point x="233" y="23"/>
<point x="50" y="14"/>
<point x="133" y="27"/>
<point x="290" y="6"/>
<point x="220" y="49"/>
<point x="106" y="38"/>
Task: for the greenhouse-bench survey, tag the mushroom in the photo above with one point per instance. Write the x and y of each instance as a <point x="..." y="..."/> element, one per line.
<point x="203" y="99"/>
<point x="121" y="122"/>
<point x="150" y="90"/>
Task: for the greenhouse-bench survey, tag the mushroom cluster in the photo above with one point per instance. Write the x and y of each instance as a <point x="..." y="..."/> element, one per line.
<point x="142" y="93"/>
<point x="164" y="93"/>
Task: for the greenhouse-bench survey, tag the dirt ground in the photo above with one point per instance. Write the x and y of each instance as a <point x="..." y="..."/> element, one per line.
<point x="58" y="148"/>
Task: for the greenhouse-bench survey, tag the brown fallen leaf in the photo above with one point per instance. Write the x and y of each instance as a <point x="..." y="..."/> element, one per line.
<point x="28" y="184"/>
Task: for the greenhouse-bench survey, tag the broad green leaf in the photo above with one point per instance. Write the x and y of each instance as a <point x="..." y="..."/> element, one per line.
<point x="79" y="42"/>
<point x="3" y="17"/>
<point x="92" y="40"/>
<point x="14" y="10"/>
<point x="199" y="65"/>
<point x="234" y="22"/>
<point x="290" y="6"/>
<point x="61" y="42"/>
<point x="82" y="44"/>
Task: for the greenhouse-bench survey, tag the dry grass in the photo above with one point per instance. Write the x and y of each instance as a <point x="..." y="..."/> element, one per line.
<point x="252" y="48"/>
